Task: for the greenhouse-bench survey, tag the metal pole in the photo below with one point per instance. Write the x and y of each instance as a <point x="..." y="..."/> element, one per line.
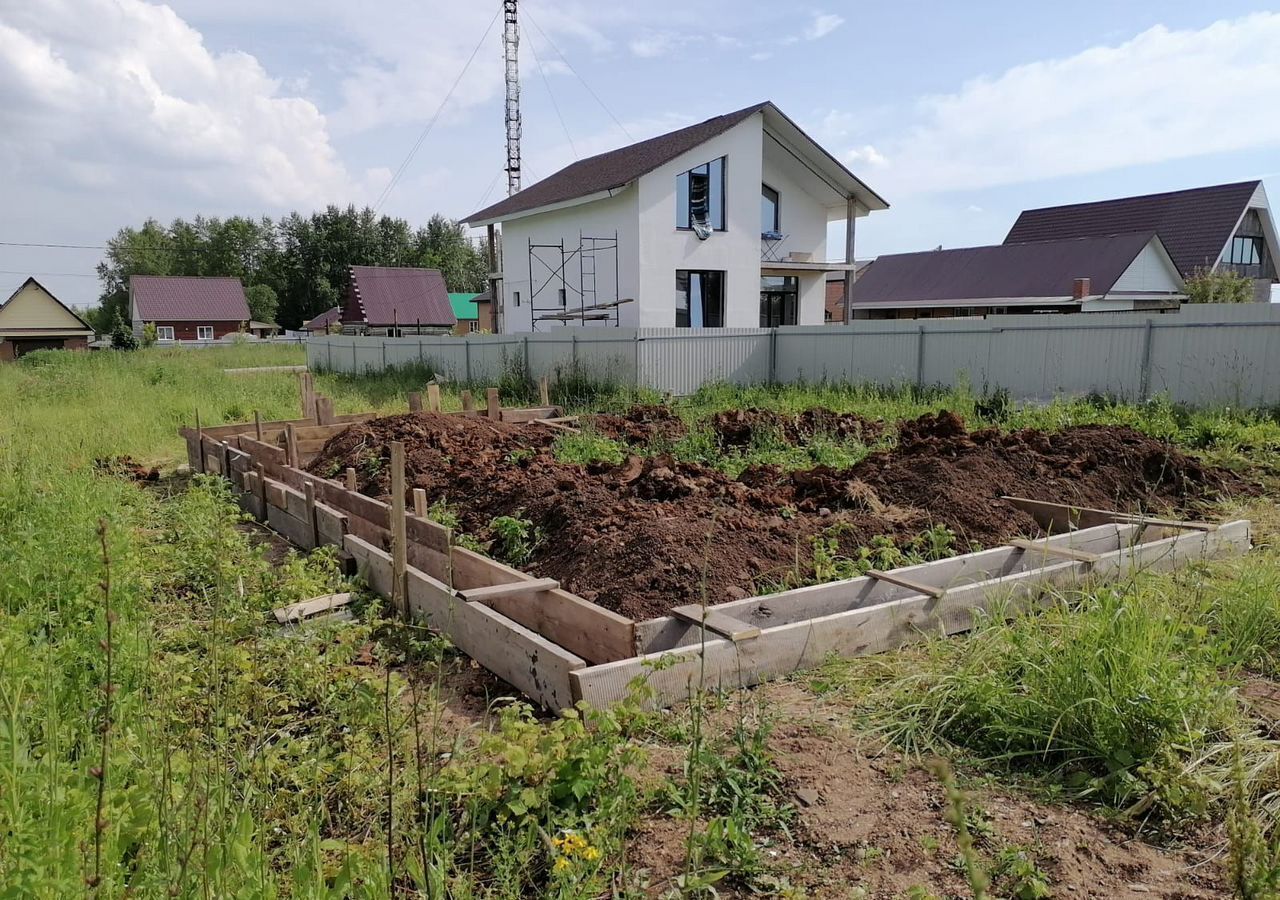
<point x="919" y="355"/>
<point x="1144" y="383"/>
<point x="850" y="217"/>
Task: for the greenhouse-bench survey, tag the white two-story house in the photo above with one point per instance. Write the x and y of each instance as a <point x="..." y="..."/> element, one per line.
<point x="721" y="224"/>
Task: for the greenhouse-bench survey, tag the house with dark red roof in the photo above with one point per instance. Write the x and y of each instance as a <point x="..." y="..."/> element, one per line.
<point x="1122" y="272"/>
<point x="188" y="307"/>
<point x="391" y="301"/>
<point x="324" y="323"/>
<point x="719" y="224"/>
<point x="1224" y="226"/>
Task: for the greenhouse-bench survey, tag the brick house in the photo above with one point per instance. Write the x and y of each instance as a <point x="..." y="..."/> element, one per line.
<point x="34" y="319"/>
<point x="188" y="308"/>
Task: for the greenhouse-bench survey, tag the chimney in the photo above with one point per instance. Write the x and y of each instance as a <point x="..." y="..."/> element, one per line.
<point x="1080" y="289"/>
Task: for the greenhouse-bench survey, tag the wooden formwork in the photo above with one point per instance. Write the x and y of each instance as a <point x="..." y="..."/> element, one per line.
<point x="559" y="649"/>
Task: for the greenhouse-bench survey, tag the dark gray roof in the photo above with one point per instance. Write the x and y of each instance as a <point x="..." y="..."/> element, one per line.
<point x="1194" y="224"/>
<point x="614" y="168"/>
<point x="1043" y="269"/>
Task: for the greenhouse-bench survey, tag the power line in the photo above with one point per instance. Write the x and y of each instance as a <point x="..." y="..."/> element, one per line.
<point x="565" y="59"/>
<point x="395" y="179"/>
<point x="554" y="105"/>
<point x="51" y="274"/>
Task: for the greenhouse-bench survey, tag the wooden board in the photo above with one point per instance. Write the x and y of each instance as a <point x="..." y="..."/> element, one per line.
<point x="427" y="533"/>
<point x="590" y="631"/>
<point x="716" y="622"/>
<point x="294" y="530"/>
<point x="514" y="589"/>
<point x="903" y="581"/>
<point x="1061" y="517"/>
<point x="516" y="416"/>
<point x="296" y="612"/>
<point x="673" y="674"/>
<point x="1044" y="548"/>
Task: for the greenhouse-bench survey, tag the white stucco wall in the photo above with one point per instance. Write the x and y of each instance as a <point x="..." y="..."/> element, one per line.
<point x="599" y="218"/>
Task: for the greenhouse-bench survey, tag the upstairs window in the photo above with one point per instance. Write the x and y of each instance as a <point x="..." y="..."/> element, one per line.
<point x="1245" y="251"/>
<point x="700" y="198"/>
<point x="770" y="222"/>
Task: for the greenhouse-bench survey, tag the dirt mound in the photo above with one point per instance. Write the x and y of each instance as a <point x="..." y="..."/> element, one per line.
<point x="639" y="425"/>
<point x="739" y="427"/>
<point x="655" y="532"/>
<point x="127" y="467"/>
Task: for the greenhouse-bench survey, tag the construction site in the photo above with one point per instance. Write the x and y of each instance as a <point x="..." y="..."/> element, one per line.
<point x="673" y="572"/>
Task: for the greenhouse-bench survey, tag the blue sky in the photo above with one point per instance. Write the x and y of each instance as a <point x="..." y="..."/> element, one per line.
<point x="959" y="114"/>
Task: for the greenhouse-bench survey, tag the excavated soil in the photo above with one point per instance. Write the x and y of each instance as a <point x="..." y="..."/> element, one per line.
<point x="655" y="532"/>
<point x="735" y="428"/>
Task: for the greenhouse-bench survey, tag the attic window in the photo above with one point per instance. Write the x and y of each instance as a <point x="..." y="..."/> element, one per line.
<point x="1245" y="251"/>
<point x="700" y="198"/>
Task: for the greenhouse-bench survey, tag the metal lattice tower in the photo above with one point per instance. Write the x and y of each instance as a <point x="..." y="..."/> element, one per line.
<point x="510" y="48"/>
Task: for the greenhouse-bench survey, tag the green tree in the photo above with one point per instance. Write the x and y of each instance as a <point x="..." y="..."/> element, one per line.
<point x="121" y="335"/>
<point x="262" y="303"/>
<point x="1221" y="286"/>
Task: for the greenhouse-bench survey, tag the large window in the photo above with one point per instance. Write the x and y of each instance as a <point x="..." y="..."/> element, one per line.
<point x="779" y="300"/>
<point x="699" y="299"/>
<point x="700" y="197"/>
<point x="164" y="332"/>
<point x="204" y="332"/>
<point x="1245" y="251"/>
<point x="770" y="221"/>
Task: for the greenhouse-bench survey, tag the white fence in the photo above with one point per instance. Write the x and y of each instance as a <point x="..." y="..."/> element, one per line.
<point x="1203" y="355"/>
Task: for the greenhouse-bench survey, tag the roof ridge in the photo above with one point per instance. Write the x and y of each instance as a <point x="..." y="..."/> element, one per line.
<point x="1156" y="194"/>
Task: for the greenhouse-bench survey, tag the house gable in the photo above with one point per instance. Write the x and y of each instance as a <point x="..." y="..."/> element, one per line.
<point x="32" y="310"/>
<point x="1151" y="272"/>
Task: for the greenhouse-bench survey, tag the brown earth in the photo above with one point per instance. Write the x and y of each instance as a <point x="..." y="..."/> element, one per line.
<point x="655" y="532"/>
<point x="735" y="428"/>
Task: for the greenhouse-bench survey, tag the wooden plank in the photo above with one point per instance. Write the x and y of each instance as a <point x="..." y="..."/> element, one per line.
<point x="718" y="622"/>
<point x="513" y="589"/>
<point x="544" y="391"/>
<point x="274" y="494"/>
<point x="468" y="404"/>
<point x="833" y="597"/>
<point x="590" y="631"/>
<point x="908" y="583"/>
<point x="518" y="416"/>
<point x="351" y="479"/>
<point x="290" y="447"/>
<point x="355" y="503"/>
<point x="258" y="370"/>
<point x="420" y="503"/>
<point x="556" y="425"/>
<point x="309" y="496"/>
<point x="1060" y="516"/>
<point x="324" y="410"/>
<point x="415" y="401"/>
<point x="428" y="533"/>
<point x="673" y="674"/>
<point x="257" y="425"/>
<point x="331" y="525"/>
<point x="1046" y="549"/>
<point x="399" y="538"/>
<point x="306" y="391"/>
<point x="433" y="398"/>
<point x="319" y="432"/>
<point x="296" y="612"/>
<point x="293" y="529"/>
<point x="493" y="405"/>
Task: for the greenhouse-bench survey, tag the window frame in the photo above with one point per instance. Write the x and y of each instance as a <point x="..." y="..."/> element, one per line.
<point x="684" y="208"/>
<point x="777" y="209"/>
<point x="164" y="333"/>
<point x="201" y="329"/>
<point x="1236" y="251"/>
<point x="719" y="277"/>
<point x="473" y="327"/>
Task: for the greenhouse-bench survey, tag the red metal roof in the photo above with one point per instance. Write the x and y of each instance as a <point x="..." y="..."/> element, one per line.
<point x="381" y="295"/>
<point x="1042" y="269"/>
<point x="1194" y="224"/>
<point x="324" y="320"/>
<point x="183" y="298"/>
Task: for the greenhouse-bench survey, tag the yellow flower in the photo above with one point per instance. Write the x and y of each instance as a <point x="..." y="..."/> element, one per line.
<point x="592" y="853"/>
<point x="561" y="864"/>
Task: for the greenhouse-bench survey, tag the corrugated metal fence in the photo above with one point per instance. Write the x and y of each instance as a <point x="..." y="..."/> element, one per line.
<point x="1203" y="355"/>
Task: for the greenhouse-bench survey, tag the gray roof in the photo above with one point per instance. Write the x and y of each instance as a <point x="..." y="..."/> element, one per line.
<point x="617" y="168"/>
<point x="1042" y="269"/>
<point x="1194" y="224"/>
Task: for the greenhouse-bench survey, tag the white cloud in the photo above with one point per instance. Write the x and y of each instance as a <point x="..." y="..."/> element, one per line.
<point x="1160" y="96"/>
<point x="653" y="44"/>
<point x="822" y="25"/>
<point x="124" y="95"/>
<point x="865" y="155"/>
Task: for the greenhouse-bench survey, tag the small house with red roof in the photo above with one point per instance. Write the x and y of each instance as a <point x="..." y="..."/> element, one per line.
<point x="188" y="308"/>
<point x="392" y="301"/>
<point x="324" y="323"/>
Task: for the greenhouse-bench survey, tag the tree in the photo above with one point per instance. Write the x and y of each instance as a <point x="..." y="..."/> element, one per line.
<point x="121" y="335"/>
<point x="1221" y="286"/>
<point x="262" y="303"/>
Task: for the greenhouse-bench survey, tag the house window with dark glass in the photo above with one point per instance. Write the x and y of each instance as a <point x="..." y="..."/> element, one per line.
<point x="779" y="300"/>
<point x="700" y="198"/>
<point x="770" y="220"/>
<point x="1245" y="251"/>
<point x="699" y="299"/>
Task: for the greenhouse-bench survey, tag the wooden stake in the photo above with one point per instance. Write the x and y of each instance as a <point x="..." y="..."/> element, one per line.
<point x="415" y="401"/>
<point x="544" y="391"/>
<point x="306" y="391"/>
<point x="420" y="503"/>
<point x="260" y="475"/>
<point x="351" y="479"/>
<point x="199" y="440"/>
<point x="399" y="539"/>
<point x="468" y="404"/>
<point x="494" y="405"/>
<point x="290" y="446"/>
<point x="309" y="492"/>
<point x="324" y="410"/>
<point x="433" y="397"/>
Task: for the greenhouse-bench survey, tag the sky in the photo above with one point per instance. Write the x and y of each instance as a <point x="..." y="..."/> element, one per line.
<point x="960" y="115"/>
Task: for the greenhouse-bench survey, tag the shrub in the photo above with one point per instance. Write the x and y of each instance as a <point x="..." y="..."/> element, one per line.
<point x="1221" y="286"/>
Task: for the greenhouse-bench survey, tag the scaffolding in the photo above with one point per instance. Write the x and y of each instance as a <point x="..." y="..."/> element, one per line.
<point x="550" y="279"/>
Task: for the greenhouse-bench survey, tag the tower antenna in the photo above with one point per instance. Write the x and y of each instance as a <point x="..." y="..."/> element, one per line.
<point x="510" y="50"/>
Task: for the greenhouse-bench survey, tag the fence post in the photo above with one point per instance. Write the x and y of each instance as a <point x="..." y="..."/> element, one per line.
<point x="466" y="357"/>
<point x="527" y="372"/>
<point x="573" y="353"/>
<point x="919" y="356"/>
<point x="1144" y="383"/>
<point x="636" y="340"/>
<point x="384" y="356"/>
<point x="773" y="356"/>
<point x="354" y="364"/>
<point x="328" y="343"/>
